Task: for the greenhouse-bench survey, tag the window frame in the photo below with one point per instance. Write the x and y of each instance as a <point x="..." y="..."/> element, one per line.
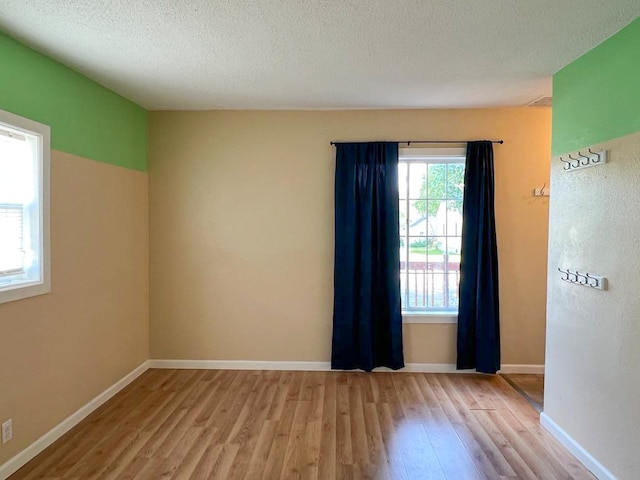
<point x="431" y="155"/>
<point x="23" y="290"/>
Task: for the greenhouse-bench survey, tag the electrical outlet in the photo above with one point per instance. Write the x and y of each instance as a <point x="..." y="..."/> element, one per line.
<point x="7" y="431"/>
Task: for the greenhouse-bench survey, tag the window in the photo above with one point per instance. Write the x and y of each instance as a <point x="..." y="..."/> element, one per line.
<point x="24" y="207"/>
<point x="431" y="183"/>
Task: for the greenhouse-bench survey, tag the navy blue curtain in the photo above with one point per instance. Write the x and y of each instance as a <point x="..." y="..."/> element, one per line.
<point x="478" y="311"/>
<point x="367" y="320"/>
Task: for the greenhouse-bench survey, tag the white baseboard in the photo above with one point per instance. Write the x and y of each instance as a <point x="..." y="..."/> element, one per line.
<point x="321" y="366"/>
<point x="576" y="449"/>
<point x="18" y="461"/>
<point x="516" y="368"/>
<point x="239" y="365"/>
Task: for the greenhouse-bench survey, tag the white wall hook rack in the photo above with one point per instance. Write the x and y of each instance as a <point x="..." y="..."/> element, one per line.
<point x="541" y="192"/>
<point x="583" y="160"/>
<point x="585" y="279"/>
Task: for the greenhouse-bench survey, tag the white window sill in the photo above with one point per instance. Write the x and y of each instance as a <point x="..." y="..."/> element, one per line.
<point x="429" y="317"/>
<point x="24" y="290"/>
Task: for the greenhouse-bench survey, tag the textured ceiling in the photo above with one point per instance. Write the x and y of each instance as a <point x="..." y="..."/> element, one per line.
<point x="237" y="54"/>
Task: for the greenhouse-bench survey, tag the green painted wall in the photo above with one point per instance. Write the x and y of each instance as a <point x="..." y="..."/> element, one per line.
<point x="597" y="97"/>
<point x="86" y="119"/>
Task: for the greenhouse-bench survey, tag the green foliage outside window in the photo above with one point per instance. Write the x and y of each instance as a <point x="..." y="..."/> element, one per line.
<point x="443" y="181"/>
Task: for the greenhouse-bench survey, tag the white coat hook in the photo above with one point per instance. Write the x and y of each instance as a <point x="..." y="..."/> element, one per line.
<point x="542" y="191"/>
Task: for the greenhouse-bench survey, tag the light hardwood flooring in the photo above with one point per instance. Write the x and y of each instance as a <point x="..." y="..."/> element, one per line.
<point x="531" y="386"/>
<point x="207" y="424"/>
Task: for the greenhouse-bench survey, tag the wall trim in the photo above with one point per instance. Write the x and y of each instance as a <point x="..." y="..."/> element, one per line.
<point x="239" y="365"/>
<point x="21" y="458"/>
<point x="576" y="449"/>
<point x="320" y="366"/>
<point x="518" y="368"/>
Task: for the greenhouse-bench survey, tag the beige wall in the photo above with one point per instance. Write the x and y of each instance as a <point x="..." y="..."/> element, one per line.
<point x="592" y="384"/>
<point x="60" y="350"/>
<point x="241" y="221"/>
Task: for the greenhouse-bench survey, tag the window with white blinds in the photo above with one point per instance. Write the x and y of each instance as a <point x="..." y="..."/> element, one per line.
<point x="24" y="222"/>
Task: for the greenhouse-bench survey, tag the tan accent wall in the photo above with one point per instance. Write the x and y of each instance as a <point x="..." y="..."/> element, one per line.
<point x="60" y="350"/>
<point x="592" y="383"/>
<point x="241" y="221"/>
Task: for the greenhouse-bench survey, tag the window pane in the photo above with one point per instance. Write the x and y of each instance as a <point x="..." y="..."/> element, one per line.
<point x="19" y="209"/>
<point x="417" y="180"/>
<point x="433" y="249"/>
<point x="454" y="219"/>
<point x="436" y="290"/>
<point x="437" y="246"/>
<point x="11" y="239"/>
<point x="417" y="265"/>
<point x="454" y="282"/>
<point x="437" y="181"/>
<point x="403" y="217"/>
<point x="416" y="292"/>
<point x="418" y="252"/>
<point x="437" y="210"/>
<point x="418" y="222"/>
<point x="430" y="230"/>
<point x="402" y="179"/>
<point x="403" y="286"/>
<point x="455" y="181"/>
<point x="17" y="173"/>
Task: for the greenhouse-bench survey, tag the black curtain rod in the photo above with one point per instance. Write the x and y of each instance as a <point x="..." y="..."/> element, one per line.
<point x="409" y="142"/>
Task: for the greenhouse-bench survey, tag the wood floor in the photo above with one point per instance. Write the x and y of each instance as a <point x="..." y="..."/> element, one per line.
<point x="207" y="424"/>
<point x="531" y="386"/>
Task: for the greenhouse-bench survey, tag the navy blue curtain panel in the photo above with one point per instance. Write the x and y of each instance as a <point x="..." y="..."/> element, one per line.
<point x="478" y="311"/>
<point x="367" y="320"/>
